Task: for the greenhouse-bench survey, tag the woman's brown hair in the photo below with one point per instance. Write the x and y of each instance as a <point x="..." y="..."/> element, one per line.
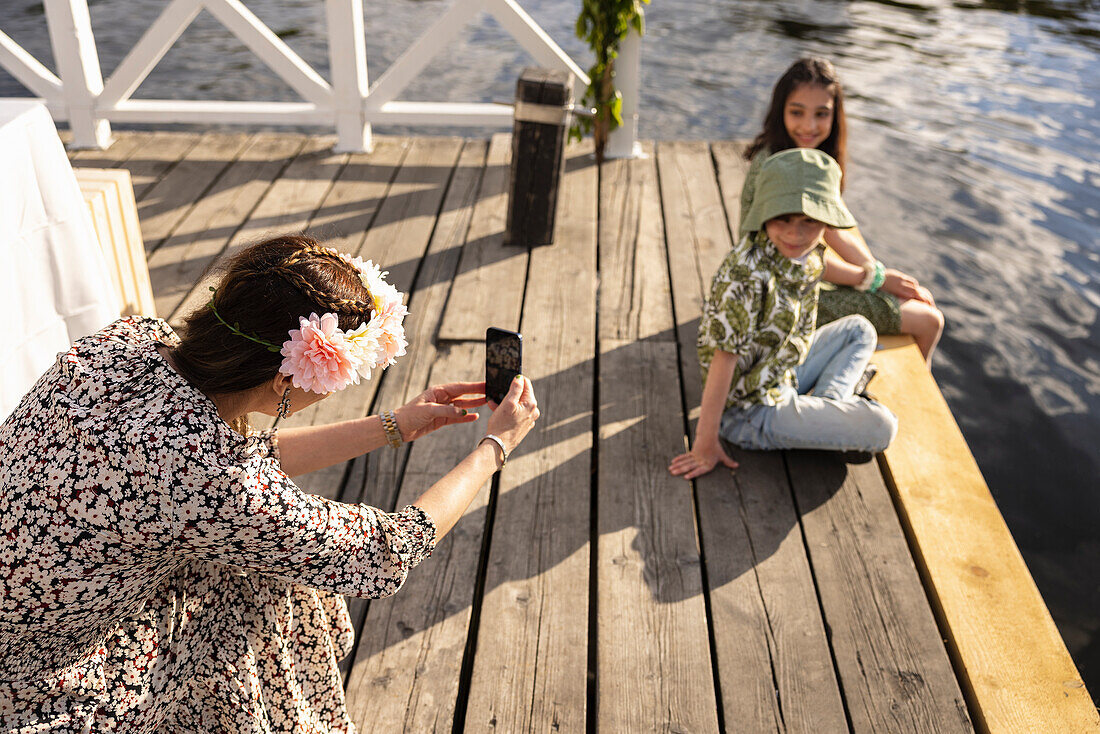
<point x="263" y="291"/>
<point x="774" y="138"/>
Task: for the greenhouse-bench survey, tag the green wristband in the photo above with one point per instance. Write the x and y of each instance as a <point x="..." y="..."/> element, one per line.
<point x="879" y="279"/>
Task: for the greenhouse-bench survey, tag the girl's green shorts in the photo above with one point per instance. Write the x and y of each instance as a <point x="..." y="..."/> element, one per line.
<point x="881" y="309"/>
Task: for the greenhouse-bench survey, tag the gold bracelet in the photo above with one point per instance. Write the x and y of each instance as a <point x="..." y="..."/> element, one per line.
<point x="389" y="425"/>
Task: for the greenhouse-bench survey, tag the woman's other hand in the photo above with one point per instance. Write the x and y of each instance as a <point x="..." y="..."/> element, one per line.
<point x="702" y="458"/>
<point x="438" y="406"/>
<point x="516" y="414"/>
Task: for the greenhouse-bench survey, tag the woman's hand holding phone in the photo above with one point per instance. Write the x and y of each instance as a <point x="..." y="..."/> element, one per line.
<point x="516" y="414"/>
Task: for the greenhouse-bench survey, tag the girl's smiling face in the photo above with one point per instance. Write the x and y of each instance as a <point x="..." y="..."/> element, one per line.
<point x="808" y="115"/>
<point x="794" y="235"/>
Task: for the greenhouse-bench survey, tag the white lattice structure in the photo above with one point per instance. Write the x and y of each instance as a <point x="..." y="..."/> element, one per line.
<point x="78" y="94"/>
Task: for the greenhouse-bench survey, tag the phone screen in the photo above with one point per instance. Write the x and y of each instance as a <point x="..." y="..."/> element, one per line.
<point x="503" y="361"/>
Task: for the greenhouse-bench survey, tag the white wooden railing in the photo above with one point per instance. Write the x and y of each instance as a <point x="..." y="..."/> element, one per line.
<point x="78" y="94"/>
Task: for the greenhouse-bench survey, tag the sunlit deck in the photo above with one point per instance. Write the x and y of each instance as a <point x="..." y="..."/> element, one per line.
<point x="586" y="589"/>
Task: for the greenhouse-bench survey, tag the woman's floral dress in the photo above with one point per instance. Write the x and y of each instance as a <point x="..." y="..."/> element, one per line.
<point x="158" y="571"/>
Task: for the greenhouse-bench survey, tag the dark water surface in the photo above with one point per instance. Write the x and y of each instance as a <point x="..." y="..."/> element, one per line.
<point x="975" y="149"/>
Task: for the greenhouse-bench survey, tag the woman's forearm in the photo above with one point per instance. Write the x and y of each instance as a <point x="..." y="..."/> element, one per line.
<point x="447" y="500"/>
<point x="309" y="448"/>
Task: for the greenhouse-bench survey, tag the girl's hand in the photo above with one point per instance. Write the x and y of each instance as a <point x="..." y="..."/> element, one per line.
<point x="438" y="406"/>
<point x="925" y="295"/>
<point x="901" y="285"/>
<point x="516" y="415"/>
<point x="702" y="458"/>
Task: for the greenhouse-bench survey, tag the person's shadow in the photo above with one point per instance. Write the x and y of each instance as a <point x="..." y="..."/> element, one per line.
<point x="533" y="526"/>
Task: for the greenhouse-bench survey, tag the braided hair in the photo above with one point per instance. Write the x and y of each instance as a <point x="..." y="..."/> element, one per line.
<point x="262" y="292"/>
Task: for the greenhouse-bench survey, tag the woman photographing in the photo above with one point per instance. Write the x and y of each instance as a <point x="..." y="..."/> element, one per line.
<point x="159" y="569"/>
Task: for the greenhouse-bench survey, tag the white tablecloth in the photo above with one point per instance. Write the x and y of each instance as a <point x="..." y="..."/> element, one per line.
<point x="54" y="282"/>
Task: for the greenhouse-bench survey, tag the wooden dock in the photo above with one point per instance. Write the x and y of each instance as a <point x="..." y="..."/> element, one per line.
<point x="586" y="589"/>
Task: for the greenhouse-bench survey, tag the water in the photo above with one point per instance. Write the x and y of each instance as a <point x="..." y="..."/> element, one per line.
<point x="975" y="166"/>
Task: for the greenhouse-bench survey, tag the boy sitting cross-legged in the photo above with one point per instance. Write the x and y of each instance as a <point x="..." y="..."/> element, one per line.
<point x="769" y="380"/>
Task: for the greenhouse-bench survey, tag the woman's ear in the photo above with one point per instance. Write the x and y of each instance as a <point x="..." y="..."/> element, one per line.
<point x="281" y="383"/>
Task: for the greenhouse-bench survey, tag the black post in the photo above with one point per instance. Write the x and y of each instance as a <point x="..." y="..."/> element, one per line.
<point x="538" y="155"/>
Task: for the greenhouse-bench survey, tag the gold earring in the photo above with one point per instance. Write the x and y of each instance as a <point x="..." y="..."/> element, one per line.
<point x="284" y="404"/>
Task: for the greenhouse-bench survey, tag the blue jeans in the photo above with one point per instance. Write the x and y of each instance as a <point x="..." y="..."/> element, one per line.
<point x="832" y="418"/>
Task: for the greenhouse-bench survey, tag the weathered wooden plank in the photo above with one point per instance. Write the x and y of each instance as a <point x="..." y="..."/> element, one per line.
<point x="172" y="197"/>
<point x="286" y="205"/>
<point x="374" y="479"/>
<point x="635" y="297"/>
<point x="125" y="145"/>
<point x="1012" y="662"/>
<point x="157" y="155"/>
<point x="403" y="227"/>
<point x="698" y="238"/>
<point x="730" y="162"/>
<point x="801" y="660"/>
<point x="893" y="667"/>
<point x="801" y="664"/>
<point x="294" y="197"/>
<point x="175" y="267"/>
<point x="654" y="667"/>
<point x="352" y="204"/>
<point x="529" y="671"/>
<point x="695" y="222"/>
<point x="745" y="647"/>
<point x="405" y="676"/>
<point x="488" y="290"/>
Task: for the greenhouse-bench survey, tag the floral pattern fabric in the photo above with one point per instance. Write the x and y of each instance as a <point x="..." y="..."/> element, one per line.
<point x="761" y="308"/>
<point x="158" y="569"/>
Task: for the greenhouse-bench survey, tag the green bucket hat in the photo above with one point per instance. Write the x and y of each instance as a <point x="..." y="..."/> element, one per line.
<point x="799" y="181"/>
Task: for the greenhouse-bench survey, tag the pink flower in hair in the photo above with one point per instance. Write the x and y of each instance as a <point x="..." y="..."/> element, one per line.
<point x="391" y="333"/>
<point x="318" y="357"/>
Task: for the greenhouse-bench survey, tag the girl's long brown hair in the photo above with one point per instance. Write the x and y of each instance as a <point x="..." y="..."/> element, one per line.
<point x="263" y="291"/>
<point x="774" y="138"/>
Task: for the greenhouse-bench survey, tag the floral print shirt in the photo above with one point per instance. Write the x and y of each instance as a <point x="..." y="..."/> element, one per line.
<point x="115" y="472"/>
<point x="761" y="308"/>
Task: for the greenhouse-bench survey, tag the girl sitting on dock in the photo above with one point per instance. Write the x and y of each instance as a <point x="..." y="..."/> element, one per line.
<point x="159" y="570"/>
<point x="807" y="111"/>
<point x="760" y="353"/>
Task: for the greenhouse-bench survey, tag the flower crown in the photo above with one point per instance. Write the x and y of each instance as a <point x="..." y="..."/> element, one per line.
<point x="320" y="357"/>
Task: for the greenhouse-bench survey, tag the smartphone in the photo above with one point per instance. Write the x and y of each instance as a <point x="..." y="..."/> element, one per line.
<point x="503" y="361"/>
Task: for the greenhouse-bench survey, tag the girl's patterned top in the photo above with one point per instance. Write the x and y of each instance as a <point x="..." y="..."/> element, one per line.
<point x="748" y="189"/>
<point x="114" y="472"/>
<point x="761" y="308"/>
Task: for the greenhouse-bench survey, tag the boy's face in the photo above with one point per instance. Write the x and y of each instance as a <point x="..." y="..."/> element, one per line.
<point x="794" y="234"/>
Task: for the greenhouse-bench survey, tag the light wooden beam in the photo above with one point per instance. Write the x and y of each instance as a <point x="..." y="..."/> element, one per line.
<point x="1012" y="663"/>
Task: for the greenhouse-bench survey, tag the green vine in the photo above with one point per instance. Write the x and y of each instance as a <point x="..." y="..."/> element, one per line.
<point x="235" y="327"/>
<point x="604" y="24"/>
